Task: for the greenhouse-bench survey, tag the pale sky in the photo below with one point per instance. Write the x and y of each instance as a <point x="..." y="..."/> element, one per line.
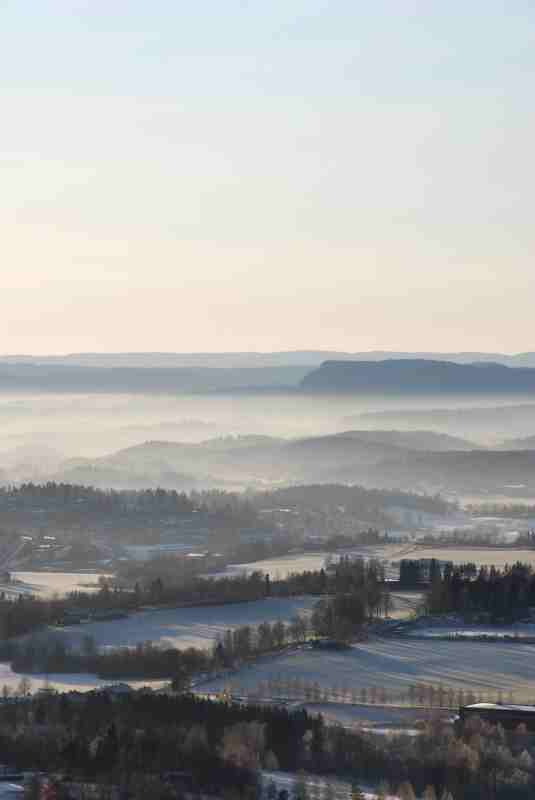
<point x="267" y="175"/>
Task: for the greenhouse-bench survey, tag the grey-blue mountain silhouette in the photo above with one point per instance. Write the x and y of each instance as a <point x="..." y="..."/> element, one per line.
<point x="415" y="376"/>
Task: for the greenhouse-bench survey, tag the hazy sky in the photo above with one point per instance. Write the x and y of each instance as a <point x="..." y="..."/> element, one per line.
<point x="271" y="174"/>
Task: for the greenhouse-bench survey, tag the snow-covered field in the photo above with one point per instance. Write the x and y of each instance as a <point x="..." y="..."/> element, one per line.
<point x="64" y="682"/>
<point x="187" y="627"/>
<point x="48" y="584"/>
<point x="373" y="717"/>
<point x="301" y="562"/>
<point x="518" y="630"/>
<point x="397" y="664"/>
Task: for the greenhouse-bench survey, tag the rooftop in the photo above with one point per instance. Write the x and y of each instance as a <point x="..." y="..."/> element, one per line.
<point x="500" y="707"/>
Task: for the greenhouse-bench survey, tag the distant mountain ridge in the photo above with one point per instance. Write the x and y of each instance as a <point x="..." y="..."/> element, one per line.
<point x="400" y="375"/>
<point x="58" y="377"/>
<point x="418" y="376"/>
<point x="289" y="358"/>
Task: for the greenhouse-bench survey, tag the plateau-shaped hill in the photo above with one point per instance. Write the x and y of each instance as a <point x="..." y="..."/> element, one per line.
<point x="417" y="376"/>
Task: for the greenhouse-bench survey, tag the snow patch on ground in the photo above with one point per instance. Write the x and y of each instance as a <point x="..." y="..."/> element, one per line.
<point x="397" y="664"/>
<point x="186" y="627"/>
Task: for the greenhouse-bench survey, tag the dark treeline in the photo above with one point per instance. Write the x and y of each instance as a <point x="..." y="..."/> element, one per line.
<point x="355" y="587"/>
<point x="425" y="570"/>
<point x="87" y="500"/>
<point x="28" y="613"/>
<point x="354" y="499"/>
<point x="220" y="747"/>
<point x="368" y="505"/>
<point x="502" y="594"/>
<point x="356" y="594"/>
<point x="52" y="653"/>
<point x="173" y="571"/>
<point x="411" y="572"/>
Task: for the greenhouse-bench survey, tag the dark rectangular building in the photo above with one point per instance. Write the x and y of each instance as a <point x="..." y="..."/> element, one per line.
<point x="508" y="716"/>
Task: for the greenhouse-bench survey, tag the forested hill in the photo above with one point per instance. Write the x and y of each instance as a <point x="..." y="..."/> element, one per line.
<point x="251" y="461"/>
<point x="404" y="460"/>
<point x="411" y="376"/>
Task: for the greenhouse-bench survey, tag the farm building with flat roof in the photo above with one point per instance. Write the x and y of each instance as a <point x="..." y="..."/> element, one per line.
<point x="507" y="715"/>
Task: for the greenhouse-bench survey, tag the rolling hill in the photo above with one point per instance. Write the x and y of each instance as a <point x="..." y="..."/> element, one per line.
<point x="418" y="460"/>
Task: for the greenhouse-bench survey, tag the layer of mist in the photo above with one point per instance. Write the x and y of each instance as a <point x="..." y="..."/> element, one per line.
<point x="249" y="441"/>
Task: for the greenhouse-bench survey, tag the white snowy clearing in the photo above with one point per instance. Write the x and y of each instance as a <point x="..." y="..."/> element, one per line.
<point x="376" y="718"/>
<point x="48" y="584"/>
<point x="187" y="627"/>
<point x="398" y="664"/>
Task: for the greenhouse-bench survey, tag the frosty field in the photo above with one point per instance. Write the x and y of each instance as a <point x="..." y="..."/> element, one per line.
<point x="186" y="627"/>
<point x="48" y="584"/>
<point x="64" y="682"/>
<point x="372" y="717"/>
<point x="301" y="562"/>
<point x="179" y="627"/>
<point x="396" y="664"/>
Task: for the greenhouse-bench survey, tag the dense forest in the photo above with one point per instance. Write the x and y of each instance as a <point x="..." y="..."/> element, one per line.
<point x="504" y="595"/>
<point x="352" y="498"/>
<point x="171" y="745"/>
<point x="354" y="594"/>
<point x="368" y="504"/>
<point x="354" y="588"/>
<point x="51" y="653"/>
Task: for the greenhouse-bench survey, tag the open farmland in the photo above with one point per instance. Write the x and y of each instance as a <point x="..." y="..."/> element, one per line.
<point x="397" y="664"/>
<point x="186" y="627"/>
<point x="48" y="584"/>
<point x="65" y="682"/>
<point x="283" y="566"/>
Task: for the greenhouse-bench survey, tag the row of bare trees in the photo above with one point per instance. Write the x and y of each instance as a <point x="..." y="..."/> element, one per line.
<point x="418" y="695"/>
